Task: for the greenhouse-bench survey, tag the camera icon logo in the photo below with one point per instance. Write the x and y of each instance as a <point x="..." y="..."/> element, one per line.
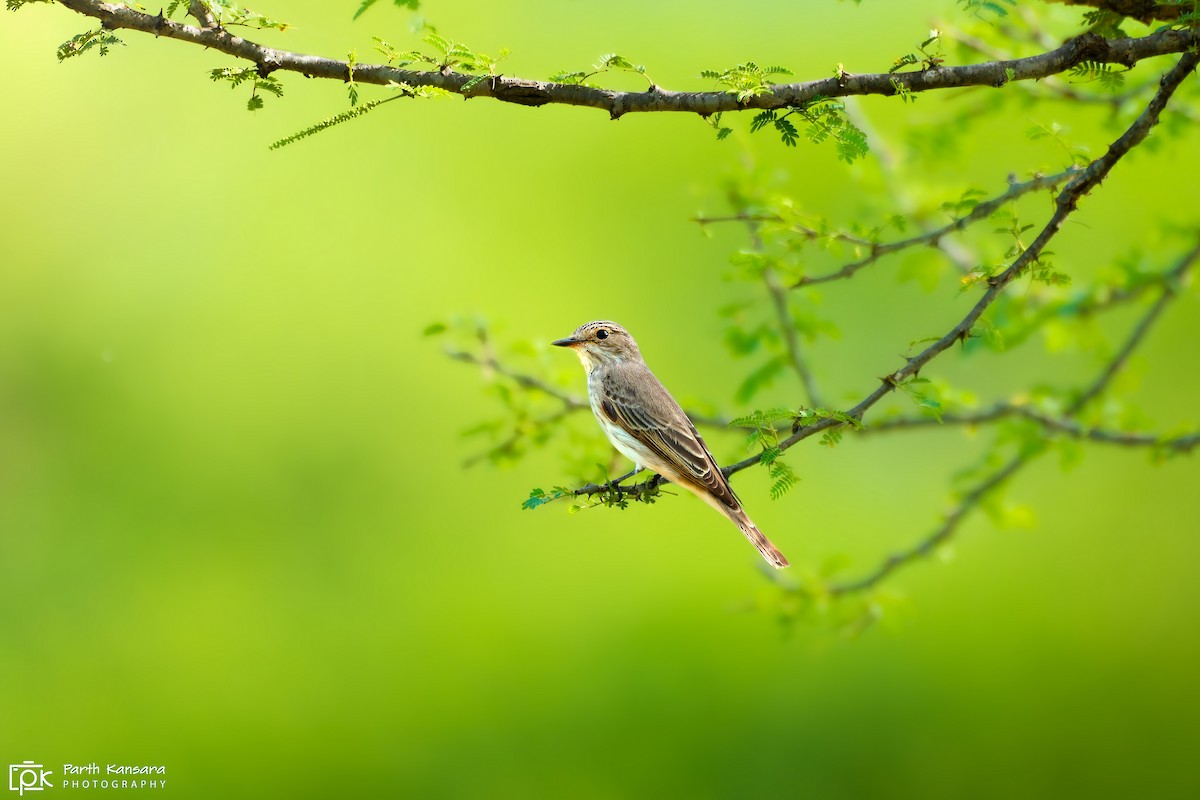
<point x="27" y="777"/>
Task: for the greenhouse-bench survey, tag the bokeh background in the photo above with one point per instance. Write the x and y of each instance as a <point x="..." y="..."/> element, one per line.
<point x="237" y="538"/>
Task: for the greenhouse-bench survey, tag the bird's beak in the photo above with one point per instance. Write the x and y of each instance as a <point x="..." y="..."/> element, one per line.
<point x="570" y="341"/>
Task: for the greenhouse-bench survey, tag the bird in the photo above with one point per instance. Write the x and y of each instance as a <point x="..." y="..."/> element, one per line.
<point x="645" y="423"/>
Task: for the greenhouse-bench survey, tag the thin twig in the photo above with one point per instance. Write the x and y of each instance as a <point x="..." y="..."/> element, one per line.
<point x="933" y="237"/>
<point x="1115" y="100"/>
<point x="940" y="535"/>
<point x="1059" y="425"/>
<point x="521" y="379"/>
<point x="1087" y="304"/>
<point x="1169" y="289"/>
<point x="509" y="444"/>
<point x="792" y="226"/>
<point x="898" y="186"/>
<point x="970" y="500"/>
<point x="784" y="315"/>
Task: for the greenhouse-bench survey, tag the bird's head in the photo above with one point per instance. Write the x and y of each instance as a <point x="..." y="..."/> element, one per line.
<point x="600" y="342"/>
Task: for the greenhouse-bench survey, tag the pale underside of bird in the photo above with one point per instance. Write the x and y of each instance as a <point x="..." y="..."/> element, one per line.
<point x="645" y="424"/>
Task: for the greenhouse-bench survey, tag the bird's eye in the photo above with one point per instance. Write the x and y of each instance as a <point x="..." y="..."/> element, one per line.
<point x="602" y="334"/>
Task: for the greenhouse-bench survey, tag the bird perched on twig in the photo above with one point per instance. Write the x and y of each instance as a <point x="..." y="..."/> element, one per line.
<point x="643" y="421"/>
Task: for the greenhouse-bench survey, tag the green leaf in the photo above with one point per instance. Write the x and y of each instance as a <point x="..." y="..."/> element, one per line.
<point x="99" y="39"/>
<point x="537" y="497"/>
<point x="784" y="479"/>
<point x="761" y="120"/>
<point x="614" y="61"/>
<point x="330" y="122"/>
<point x="570" y="78"/>
<point x="787" y="132"/>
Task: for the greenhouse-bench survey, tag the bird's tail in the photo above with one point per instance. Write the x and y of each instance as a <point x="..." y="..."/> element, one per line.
<point x="769" y="551"/>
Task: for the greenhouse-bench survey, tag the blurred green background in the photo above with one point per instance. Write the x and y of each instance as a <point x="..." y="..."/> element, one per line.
<point x="237" y="538"/>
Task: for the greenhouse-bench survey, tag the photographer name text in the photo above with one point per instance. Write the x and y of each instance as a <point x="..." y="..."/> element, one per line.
<point x="134" y="771"/>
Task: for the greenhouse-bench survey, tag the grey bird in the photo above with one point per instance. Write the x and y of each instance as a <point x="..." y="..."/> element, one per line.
<point x="643" y="421"/>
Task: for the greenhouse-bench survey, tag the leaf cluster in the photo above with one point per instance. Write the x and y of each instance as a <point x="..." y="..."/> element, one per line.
<point x="1188" y="19"/>
<point x="450" y="56"/>
<point x="832" y="436"/>
<point x="100" y="40"/>
<point x="916" y="387"/>
<point x="930" y="56"/>
<point x="764" y="435"/>
<point x="827" y="120"/>
<point x="1040" y="269"/>
<point x="229" y="13"/>
<point x="539" y="497"/>
<point x="1105" y="23"/>
<point x="609" y="62"/>
<point x="1106" y="75"/>
<point x="745" y="80"/>
<point x="823" y="119"/>
<point x="236" y="76"/>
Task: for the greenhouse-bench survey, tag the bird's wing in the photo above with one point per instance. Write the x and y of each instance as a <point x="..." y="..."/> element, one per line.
<point x="646" y="411"/>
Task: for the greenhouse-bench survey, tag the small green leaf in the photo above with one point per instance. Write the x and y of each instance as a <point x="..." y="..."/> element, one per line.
<point x="537" y="497"/>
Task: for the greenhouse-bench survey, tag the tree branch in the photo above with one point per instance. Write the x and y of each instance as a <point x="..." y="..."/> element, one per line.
<point x="1066" y="203"/>
<point x="1061" y="425"/>
<point x="202" y="14"/>
<point x="1118" y="361"/>
<point x="933" y="237"/>
<point x="1088" y="47"/>
<point x="941" y="534"/>
<point x="949" y="526"/>
<point x="1114" y="100"/>
<point x="488" y="363"/>
<point x="900" y="188"/>
<point x="793" y="227"/>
